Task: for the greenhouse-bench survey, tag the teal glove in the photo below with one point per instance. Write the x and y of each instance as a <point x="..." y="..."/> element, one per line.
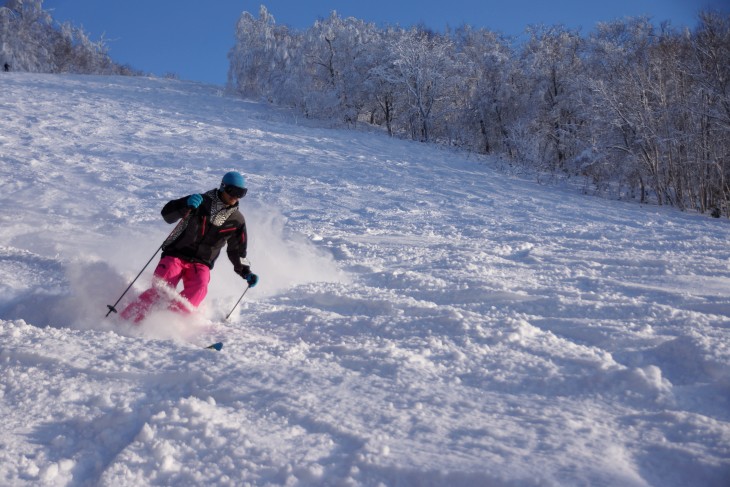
<point x="251" y="279"/>
<point x="194" y="200"/>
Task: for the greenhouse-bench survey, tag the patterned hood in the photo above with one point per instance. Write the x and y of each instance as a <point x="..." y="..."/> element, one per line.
<point x="219" y="212"/>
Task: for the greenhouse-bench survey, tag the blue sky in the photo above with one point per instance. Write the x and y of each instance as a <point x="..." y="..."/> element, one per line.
<point x="191" y="38"/>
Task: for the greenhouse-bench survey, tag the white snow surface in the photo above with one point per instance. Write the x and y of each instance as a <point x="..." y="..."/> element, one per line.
<point x="422" y="318"/>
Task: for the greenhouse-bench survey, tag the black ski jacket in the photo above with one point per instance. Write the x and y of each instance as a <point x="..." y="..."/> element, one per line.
<point x="200" y="239"/>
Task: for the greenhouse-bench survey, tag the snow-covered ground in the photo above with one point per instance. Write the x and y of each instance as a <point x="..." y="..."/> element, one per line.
<point x="421" y="319"/>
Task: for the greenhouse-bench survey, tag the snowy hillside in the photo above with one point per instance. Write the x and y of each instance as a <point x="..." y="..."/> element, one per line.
<point x="421" y="319"/>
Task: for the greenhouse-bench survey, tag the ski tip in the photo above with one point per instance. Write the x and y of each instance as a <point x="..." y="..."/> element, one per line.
<point x="216" y="346"/>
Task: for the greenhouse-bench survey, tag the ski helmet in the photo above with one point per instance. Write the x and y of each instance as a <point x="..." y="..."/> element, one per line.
<point x="234" y="178"/>
<point x="234" y="184"/>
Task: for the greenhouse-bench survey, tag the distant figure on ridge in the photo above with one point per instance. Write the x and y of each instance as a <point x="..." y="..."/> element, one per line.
<point x="6" y="67"/>
<point x="209" y="221"/>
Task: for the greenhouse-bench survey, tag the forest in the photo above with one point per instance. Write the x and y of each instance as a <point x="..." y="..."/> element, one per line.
<point x="635" y="110"/>
<point x="631" y="110"/>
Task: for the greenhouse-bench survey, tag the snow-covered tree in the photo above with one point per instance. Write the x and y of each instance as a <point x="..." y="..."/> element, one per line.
<point x="30" y="41"/>
<point x="553" y="64"/>
<point x="260" y="55"/>
<point x="336" y="54"/>
<point x="636" y="108"/>
<point x="421" y="60"/>
<point x="488" y="88"/>
<point x="383" y="81"/>
<point x="710" y="74"/>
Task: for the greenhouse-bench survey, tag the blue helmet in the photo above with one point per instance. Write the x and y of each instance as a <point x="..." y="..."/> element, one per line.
<point x="234" y="178"/>
<point x="234" y="184"/>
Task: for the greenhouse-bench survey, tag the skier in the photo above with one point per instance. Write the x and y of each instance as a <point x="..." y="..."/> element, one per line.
<point x="211" y="220"/>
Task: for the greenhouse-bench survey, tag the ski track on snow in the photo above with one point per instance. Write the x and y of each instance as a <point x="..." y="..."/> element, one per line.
<point x="422" y="318"/>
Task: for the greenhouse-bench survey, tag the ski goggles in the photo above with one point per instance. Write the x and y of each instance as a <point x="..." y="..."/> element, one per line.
<point x="235" y="191"/>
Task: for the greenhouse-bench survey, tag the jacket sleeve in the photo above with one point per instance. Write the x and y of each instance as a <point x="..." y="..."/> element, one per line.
<point x="236" y="248"/>
<point x="175" y="209"/>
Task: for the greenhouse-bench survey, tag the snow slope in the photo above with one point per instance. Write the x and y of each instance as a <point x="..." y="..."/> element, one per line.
<point x="421" y="319"/>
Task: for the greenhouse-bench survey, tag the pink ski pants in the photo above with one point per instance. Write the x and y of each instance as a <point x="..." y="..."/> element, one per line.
<point x="169" y="272"/>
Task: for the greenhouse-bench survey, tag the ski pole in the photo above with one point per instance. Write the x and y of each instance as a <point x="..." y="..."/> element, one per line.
<point x="239" y="300"/>
<point x="113" y="307"/>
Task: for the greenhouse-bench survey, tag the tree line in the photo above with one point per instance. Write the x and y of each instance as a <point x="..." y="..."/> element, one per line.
<point x="638" y="110"/>
<point x="30" y="41"/>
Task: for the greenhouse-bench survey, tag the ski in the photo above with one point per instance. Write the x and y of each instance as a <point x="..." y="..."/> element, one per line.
<point x="216" y="346"/>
